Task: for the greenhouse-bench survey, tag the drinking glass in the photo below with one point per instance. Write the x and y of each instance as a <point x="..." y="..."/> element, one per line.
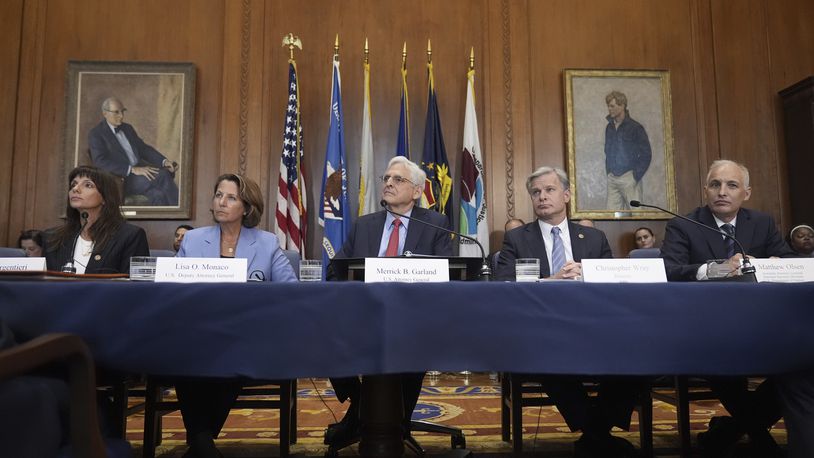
<point x="527" y="269"/>
<point x="311" y="270"/>
<point x="142" y="268"/>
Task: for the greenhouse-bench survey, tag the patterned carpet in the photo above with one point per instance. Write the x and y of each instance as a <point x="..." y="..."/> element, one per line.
<point x="471" y="403"/>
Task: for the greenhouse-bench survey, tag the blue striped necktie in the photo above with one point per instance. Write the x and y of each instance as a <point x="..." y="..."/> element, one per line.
<point x="557" y="251"/>
<point x="730" y="243"/>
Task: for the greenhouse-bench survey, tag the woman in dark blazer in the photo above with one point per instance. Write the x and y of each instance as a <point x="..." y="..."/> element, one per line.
<point x="104" y="241"/>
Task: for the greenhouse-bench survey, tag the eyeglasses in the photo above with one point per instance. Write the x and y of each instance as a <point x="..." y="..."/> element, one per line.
<point x="398" y="180"/>
<point x="117" y="112"/>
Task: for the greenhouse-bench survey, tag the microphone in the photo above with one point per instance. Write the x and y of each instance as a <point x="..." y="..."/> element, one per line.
<point x="485" y="270"/>
<point x="69" y="266"/>
<point x="747" y="269"/>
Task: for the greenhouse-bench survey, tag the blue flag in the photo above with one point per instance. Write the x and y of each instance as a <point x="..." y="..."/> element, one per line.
<point x="334" y="213"/>
<point x="438" y="187"/>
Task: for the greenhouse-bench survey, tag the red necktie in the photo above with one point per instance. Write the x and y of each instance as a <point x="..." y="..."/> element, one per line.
<point x="393" y="243"/>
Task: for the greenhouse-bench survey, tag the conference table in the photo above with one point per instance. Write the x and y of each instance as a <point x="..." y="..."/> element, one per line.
<point x="297" y="330"/>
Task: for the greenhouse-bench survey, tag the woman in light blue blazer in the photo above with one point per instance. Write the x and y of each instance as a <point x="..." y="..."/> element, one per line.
<point x="237" y="205"/>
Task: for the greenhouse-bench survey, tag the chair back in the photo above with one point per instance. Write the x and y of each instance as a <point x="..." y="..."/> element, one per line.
<point x="645" y="253"/>
<point x="8" y="252"/>
<point x="293" y="257"/>
<point x="162" y="253"/>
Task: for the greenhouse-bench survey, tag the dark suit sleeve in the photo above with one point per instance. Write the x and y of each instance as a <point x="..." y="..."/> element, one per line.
<point x="504" y="271"/>
<point x="102" y="156"/>
<point x="442" y="245"/>
<point x="604" y="249"/>
<point x="775" y="245"/>
<point x="134" y="243"/>
<point x="675" y="249"/>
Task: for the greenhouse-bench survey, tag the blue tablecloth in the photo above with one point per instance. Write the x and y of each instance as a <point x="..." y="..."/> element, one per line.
<point x="330" y="329"/>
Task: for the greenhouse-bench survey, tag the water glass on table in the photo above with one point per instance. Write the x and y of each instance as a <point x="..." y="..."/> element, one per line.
<point x="311" y="270"/>
<point x="142" y="268"/>
<point x="527" y="269"/>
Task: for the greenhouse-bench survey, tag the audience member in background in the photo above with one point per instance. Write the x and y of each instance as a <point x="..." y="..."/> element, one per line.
<point x="513" y="223"/>
<point x="179" y="236"/>
<point x="403" y="182"/>
<point x="644" y="238"/>
<point x="103" y="242"/>
<point x="31" y="242"/>
<point x="586" y="223"/>
<point x="237" y="207"/>
<point x="801" y="239"/>
<point x="687" y="251"/>
<point x="561" y="245"/>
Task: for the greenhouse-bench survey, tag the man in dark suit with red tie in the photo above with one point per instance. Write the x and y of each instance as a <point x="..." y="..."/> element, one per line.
<point x="116" y="147"/>
<point x="383" y="234"/>
<point x="560" y="245"/>
<point x="689" y="253"/>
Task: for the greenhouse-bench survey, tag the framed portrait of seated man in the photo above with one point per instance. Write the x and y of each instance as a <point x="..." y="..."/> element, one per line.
<point x="136" y="121"/>
<point x="619" y="142"/>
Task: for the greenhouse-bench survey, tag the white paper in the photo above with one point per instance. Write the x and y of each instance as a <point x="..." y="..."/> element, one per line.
<point x="632" y="270"/>
<point x="406" y="270"/>
<point x="786" y="270"/>
<point x="22" y="264"/>
<point x="200" y="270"/>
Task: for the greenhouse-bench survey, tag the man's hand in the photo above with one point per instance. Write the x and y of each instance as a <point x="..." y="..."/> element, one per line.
<point x="146" y="172"/>
<point x="570" y="271"/>
<point x="170" y="166"/>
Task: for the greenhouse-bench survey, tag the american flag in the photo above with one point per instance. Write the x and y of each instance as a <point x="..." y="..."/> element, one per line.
<point x="292" y="217"/>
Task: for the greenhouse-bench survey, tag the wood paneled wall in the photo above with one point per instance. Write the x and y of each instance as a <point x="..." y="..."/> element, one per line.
<point x="727" y="62"/>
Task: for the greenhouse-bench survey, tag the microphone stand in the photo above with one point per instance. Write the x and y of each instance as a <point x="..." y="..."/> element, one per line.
<point x="485" y="270"/>
<point x="69" y="266"/>
<point x="747" y="269"/>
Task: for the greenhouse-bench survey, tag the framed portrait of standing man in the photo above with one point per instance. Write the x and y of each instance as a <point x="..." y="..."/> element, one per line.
<point x="619" y="142"/>
<point x="135" y="120"/>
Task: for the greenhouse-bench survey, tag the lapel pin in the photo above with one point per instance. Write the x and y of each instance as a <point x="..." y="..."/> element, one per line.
<point x="97" y="257"/>
<point x="581" y="236"/>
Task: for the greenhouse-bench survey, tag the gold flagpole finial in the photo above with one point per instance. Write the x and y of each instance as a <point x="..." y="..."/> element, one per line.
<point x="336" y="48"/>
<point x="404" y="57"/>
<point x="291" y="41"/>
<point x="472" y="58"/>
<point x="367" y="52"/>
<point x="429" y="51"/>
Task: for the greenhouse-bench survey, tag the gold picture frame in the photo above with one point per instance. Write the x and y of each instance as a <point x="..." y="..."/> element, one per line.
<point x="159" y="98"/>
<point x="608" y="168"/>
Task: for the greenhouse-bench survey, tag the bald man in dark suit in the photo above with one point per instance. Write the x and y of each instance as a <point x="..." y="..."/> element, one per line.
<point x="688" y="252"/>
<point x="560" y="246"/>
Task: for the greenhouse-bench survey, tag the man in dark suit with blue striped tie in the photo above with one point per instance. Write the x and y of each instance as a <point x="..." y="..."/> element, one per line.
<point x="688" y="251"/>
<point x="560" y="245"/>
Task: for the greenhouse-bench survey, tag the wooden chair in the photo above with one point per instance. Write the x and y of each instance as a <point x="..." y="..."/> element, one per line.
<point x="71" y="352"/>
<point x="517" y="391"/>
<point x="285" y="392"/>
<point x="679" y="391"/>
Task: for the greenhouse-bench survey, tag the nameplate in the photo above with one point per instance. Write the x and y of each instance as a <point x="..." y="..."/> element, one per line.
<point x="22" y="264"/>
<point x="406" y="270"/>
<point x="647" y="270"/>
<point x="200" y="270"/>
<point x="785" y="270"/>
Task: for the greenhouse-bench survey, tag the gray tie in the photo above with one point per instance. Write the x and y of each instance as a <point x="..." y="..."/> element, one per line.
<point x="128" y="149"/>
<point x="557" y="251"/>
